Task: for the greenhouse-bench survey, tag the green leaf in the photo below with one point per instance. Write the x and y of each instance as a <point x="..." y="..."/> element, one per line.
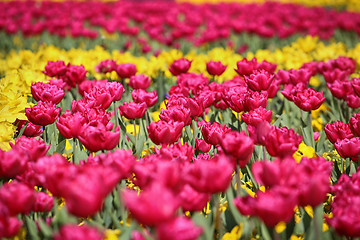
<point x="265" y="232"/>
<point x="60" y="148"/>
<point x="22" y="130"/>
<point x="207" y="225"/>
<point x="234" y="212"/>
<point x="32" y="228"/>
<point x="45" y="229"/>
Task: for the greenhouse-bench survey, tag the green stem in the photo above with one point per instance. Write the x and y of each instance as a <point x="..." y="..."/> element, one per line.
<point x="239" y="122"/>
<point x="135" y="132"/>
<point x="116" y="115"/>
<point x="44" y="135"/>
<point x="311" y="130"/>
<point x="264" y="152"/>
<point x="238" y="180"/>
<point x="74" y="147"/>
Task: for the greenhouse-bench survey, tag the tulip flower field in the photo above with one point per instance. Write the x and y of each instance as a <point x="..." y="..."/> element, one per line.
<point x="180" y="120"/>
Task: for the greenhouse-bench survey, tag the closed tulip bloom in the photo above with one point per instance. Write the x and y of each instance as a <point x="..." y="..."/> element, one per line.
<point x="210" y="176"/>
<point x="43" y="202"/>
<point x="180" y="152"/>
<point x="202" y="146"/>
<point x="238" y="145"/>
<point x="354" y="124"/>
<point x="353" y="100"/>
<point x="31" y="129"/>
<point x="70" y="124"/>
<point x="180" y="228"/>
<point x="279" y="172"/>
<point x="47" y="92"/>
<point x="281" y="142"/>
<point x="44" y="113"/>
<point x="149" y="98"/>
<point x="75" y="75"/>
<point x="256" y="116"/>
<point x="290" y="90"/>
<point x="99" y="138"/>
<point x="245" y="67"/>
<point x="215" y="68"/>
<point x="309" y="99"/>
<point x="345" y="219"/>
<point x="176" y="113"/>
<point x="139" y="81"/>
<point x="126" y="70"/>
<point x="18" y="197"/>
<point x="12" y="163"/>
<point x="76" y="232"/>
<point x="340" y="89"/>
<point x="180" y="66"/>
<point x="348" y="148"/>
<point x="336" y="75"/>
<point x="162" y="132"/>
<point x="121" y="160"/>
<point x="106" y="66"/>
<point x="194" y="82"/>
<point x="146" y="210"/>
<point x="315" y="182"/>
<point x="344" y="63"/>
<point x="132" y="110"/>
<point x="259" y="80"/>
<point x="116" y="90"/>
<point x="55" y="69"/>
<point x="192" y="200"/>
<point x="32" y="147"/>
<point x="299" y="76"/>
<point x="213" y="133"/>
<point x="9" y="225"/>
<point x="356" y="85"/>
<point x="338" y="130"/>
<point x="265" y="205"/>
<point x="84" y="190"/>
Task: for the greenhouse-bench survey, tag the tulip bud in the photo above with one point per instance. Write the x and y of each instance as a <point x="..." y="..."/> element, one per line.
<point x="238" y="145"/>
<point x="18" y="197"/>
<point x="126" y="70"/>
<point x="179" y="228"/>
<point x="99" y="138"/>
<point x="149" y="98"/>
<point x="132" y="110"/>
<point x="162" y="132"/>
<point x="180" y="66"/>
<point x="12" y="163"/>
<point x="146" y="210"/>
<point x="32" y="147"/>
<point x="348" y="148"/>
<point x="281" y="142"/>
<point x="31" y="129"/>
<point x="215" y="68"/>
<point x="139" y="81"/>
<point x="75" y="232"/>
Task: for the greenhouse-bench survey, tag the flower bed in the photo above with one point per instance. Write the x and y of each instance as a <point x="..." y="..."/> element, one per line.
<point x="199" y="144"/>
